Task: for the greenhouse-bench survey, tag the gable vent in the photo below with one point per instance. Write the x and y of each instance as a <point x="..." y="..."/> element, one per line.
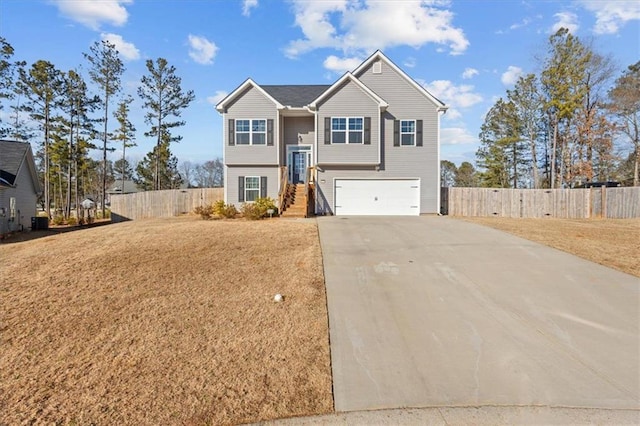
<point x="377" y="67"/>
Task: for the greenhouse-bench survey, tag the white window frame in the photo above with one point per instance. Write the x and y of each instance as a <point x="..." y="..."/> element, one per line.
<point x="247" y="189"/>
<point x="347" y="131"/>
<point x="414" y="133"/>
<point x="251" y="132"/>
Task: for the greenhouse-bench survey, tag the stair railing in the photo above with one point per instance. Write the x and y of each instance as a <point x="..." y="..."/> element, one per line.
<point x="284" y="184"/>
<point x="309" y="190"/>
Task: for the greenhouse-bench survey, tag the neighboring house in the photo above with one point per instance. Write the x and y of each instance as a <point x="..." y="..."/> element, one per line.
<point x="19" y="186"/>
<point x="371" y="141"/>
<point x="117" y="188"/>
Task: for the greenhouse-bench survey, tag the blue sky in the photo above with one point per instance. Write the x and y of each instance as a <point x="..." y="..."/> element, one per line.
<point x="467" y="53"/>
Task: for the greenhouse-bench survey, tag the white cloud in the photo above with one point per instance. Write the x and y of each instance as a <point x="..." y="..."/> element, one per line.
<point x="410" y="62"/>
<point x="128" y="51"/>
<point x="220" y="95"/>
<point x="341" y="65"/>
<point x="613" y="14"/>
<point x="469" y="73"/>
<point x="511" y="75"/>
<point x="456" y="136"/>
<point x="566" y="20"/>
<point x="453" y="96"/>
<point x="94" y="13"/>
<point x="247" y="5"/>
<point x="364" y="26"/>
<point x="202" y="50"/>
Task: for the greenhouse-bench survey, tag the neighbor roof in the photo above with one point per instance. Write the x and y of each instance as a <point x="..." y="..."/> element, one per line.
<point x="295" y="96"/>
<point x="11" y="156"/>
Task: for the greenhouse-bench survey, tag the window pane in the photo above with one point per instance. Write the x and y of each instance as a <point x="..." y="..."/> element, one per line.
<point x="355" y="137"/>
<point x="242" y="125"/>
<point x="407" y="126"/>
<point x="338" y="137"/>
<point x="259" y="125"/>
<point x="252" y="182"/>
<point x="251" y="194"/>
<point x="242" y="138"/>
<point x="355" y="124"/>
<point x="259" y="139"/>
<point x="338" y="124"/>
<point x="407" y="139"/>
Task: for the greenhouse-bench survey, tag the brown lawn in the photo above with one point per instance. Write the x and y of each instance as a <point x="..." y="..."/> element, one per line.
<point x="168" y="321"/>
<point x="611" y="242"/>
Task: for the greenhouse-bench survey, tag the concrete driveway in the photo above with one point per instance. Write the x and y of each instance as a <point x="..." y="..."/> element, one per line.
<point x="433" y="311"/>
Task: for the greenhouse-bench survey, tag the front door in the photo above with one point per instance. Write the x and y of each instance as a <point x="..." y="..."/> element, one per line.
<point x="299" y="167"/>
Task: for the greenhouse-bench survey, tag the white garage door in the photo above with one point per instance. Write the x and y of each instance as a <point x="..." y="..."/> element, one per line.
<point x="393" y="197"/>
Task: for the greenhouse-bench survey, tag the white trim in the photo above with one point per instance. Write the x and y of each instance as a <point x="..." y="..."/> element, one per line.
<point x="222" y="105"/>
<point x="347" y="131"/>
<point x="382" y="104"/>
<point x="252" y="189"/>
<point x="380" y="56"/>
<point x="296" y="148"/>
<point x="414" y="133"/>
<point x="250" y="132"/>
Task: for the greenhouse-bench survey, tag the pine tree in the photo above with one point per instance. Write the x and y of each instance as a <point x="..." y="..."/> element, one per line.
<point x="106" y="71"/>
<point x="125" y="133"/>
<point x="158" y="169"/>
<point x="163" y="98"/>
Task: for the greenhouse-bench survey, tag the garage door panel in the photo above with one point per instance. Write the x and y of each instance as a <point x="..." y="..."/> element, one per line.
<point x="377" y="197"/>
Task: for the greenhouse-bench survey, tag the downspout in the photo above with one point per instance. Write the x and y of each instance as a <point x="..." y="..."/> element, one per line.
<point x="443" y="110"/>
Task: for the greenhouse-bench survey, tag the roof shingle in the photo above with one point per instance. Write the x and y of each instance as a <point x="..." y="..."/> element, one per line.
<point x="295" y="96"/>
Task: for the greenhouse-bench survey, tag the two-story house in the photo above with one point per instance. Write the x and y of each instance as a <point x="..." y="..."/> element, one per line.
<point x="369" y="143"/>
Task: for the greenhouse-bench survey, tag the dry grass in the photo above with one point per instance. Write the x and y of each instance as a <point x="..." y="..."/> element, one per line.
<point x="612" y="242"/>
<point x="166" y="321"/>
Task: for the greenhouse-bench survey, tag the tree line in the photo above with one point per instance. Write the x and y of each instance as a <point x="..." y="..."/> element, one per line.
<point x="570" y="124"/>
<point x="58" y="112"/>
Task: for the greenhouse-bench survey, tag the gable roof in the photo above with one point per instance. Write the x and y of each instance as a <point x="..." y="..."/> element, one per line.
<point x="12" y="155"/>
<point x="378" y="55"/>
<point x="222" y="105"/>
<point x="295" y="96"/>
<point x="350" y="77"/>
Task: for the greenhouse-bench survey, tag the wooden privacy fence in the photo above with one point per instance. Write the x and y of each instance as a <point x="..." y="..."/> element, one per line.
<point x="614" y="203"/>
<point x="165" y="203"/>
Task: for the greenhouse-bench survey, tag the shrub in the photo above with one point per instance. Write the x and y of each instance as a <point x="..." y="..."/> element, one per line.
<point x="205" y="212"/>
<point x="265" y="204"/>
<point x="72" y="221"/>
<point x="221" y="209"/>
<point x="251" y="211"/>
<point x="57" y="220"/>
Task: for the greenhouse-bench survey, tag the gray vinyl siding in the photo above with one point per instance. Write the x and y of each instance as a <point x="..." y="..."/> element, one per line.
<point x="407" y="103"/>
<point x="349" y="101"/>
<point x="250" y="105"/>
<point x="232" y="173"/>
<point x="293" y="128"/>
<point x="26" y="200"/>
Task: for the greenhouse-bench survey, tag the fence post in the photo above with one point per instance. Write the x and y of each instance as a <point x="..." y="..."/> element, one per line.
<point x="604" y="201"/>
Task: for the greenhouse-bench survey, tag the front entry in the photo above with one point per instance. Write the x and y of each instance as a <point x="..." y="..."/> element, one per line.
<point x="299" y="167"/>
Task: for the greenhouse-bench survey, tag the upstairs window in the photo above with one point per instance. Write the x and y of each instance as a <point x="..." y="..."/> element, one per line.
<point x="347" y="130"/>
<point x="251" y="132"/>
<point x="407" y="132"/>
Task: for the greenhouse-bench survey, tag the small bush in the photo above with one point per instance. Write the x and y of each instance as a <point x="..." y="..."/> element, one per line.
<point x="57" y="220"/>
<point x="205" y="212"/>
<point x="221" y="209"/>
<point x="72" y="221"/>
<point x="265" y="204"/>
<point x="251" y="211"/>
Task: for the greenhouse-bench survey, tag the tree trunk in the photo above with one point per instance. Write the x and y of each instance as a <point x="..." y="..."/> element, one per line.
<point x="553" y="155"/>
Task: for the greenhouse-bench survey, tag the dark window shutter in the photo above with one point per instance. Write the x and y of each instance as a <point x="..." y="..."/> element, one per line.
<point x="367" y="130"/>
<point x="241" y="189"/>
<point x="263" y="186"/>
<point x="396" y="132"/>
<point x="270" y="132"/>
<point x="327" y="130"/>
<point x="418" y="132"/>
<point x="232" y="131"/>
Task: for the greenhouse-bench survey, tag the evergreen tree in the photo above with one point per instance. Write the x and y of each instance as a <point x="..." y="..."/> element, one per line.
<point x="448" y="172"/>
<point x="42" y="85"/>
<point x="466" y="176"/>
<point x="125" y="133"/>
<point x="163" y="98"/>
<point x="166" y="164"/>
<point x="106" y="69"/>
